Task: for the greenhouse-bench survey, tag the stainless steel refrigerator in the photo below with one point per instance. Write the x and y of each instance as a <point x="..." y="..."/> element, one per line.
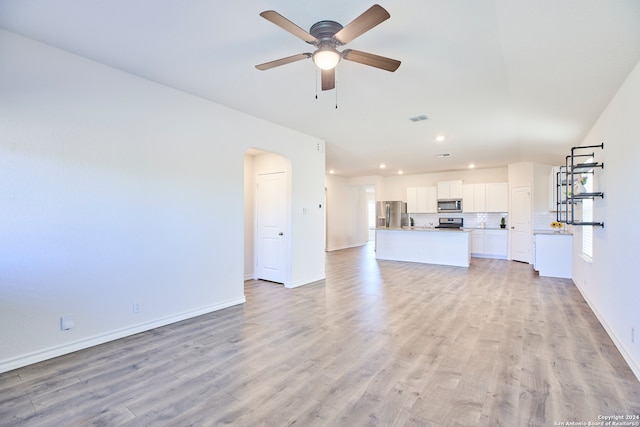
<point x="391" y="214"/>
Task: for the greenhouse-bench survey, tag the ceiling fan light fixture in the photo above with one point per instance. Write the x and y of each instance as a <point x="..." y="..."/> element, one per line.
<point x="326" y="58"/>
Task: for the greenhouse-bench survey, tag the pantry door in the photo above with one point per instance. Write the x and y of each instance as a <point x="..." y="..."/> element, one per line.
<point x="271" y="221"/>
<point x="520" y="221"/>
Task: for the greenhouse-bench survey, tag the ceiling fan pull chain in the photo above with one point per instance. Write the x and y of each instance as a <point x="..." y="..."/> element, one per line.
<point x="316" y="83"/>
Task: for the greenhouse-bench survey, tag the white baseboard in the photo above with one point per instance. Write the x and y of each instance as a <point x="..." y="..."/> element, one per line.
<point x="488" y="256"/>
<point x="303" y="282"/>
<point x="50" y="353"/>
<point x="337" y="248"/>
<point x="616" y="341"/>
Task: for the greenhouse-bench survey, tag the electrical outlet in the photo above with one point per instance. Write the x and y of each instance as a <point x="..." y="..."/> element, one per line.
<point x="67" y="322"/>
<point x="137" y="306"/>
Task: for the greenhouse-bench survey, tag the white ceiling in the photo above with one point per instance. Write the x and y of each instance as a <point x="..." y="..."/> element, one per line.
<point x="503" y="80"/>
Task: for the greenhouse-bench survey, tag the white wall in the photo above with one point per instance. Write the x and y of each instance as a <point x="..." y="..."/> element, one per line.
<point x="249" y="217"/>
<point x="536" y="176"/>
<point x="540" y="188"/>
<point x="610" y="282"/>
<point x="347" y="224"/>
<point x="114" y="189"/>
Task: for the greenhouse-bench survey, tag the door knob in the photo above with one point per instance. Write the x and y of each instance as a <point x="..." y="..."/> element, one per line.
<point x="281" y="234"/>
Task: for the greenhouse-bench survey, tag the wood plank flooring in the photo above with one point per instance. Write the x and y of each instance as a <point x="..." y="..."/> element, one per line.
<point x="378" y="343"/>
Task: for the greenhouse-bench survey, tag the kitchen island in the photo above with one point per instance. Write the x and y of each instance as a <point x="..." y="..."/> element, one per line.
<point x="426" y="245"/>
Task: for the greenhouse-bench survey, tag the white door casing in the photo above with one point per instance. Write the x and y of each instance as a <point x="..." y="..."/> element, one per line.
<point x="520" y="219"/>
<point x="271" y="203"/>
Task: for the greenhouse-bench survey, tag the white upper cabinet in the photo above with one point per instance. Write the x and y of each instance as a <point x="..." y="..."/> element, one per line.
<point x="474" y="198"/>
<point x="468" y="198"/>
<point x="480" y="197"/>
<point x="450" y="189"/>
<point x="455" y="189"/>
<point x="431" y="194"/>
<point x="492" y="197"/>
<point x="412" y="200"/>
<point x="422" y="200"/>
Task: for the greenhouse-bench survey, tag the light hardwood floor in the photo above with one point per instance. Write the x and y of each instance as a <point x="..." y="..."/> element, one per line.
<point x="378" y="343"/>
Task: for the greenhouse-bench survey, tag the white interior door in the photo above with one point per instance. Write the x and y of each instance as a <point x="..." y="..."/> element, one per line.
<point x="271" y="222"/>
<point x="520" y="219"/>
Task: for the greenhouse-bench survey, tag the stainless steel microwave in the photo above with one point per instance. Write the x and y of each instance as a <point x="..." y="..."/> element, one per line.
<point x="450" y="205"/>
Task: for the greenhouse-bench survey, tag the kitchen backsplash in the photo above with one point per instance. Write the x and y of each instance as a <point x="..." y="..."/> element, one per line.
<point x="471" y="220"/>
<point x="541" y="220"/>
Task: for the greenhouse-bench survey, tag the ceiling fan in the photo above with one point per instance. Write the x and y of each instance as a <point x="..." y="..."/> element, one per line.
<point x="327" y="36"/>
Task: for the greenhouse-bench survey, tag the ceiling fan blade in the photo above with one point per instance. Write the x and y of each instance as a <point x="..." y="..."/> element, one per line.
<point x="363" y="23"/>
<point x="283" y="61"/>
<point x="328" y="79"/>
<point x="371" y="59"/>
<point x="285" y="24"/>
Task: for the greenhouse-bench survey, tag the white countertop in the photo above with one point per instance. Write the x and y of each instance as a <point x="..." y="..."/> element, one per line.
<point x="486" y="228"/>
<point x="439" y="230"/>
<point x="554" y="232"/>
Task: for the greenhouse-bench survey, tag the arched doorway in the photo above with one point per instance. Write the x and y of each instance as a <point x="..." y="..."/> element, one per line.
<point x="267" y="216"/>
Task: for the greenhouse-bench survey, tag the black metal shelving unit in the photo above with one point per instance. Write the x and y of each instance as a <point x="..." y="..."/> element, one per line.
<point x="565" y="180"/>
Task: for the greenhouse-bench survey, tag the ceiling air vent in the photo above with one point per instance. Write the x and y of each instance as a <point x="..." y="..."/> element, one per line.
<point x="419" y="118"/>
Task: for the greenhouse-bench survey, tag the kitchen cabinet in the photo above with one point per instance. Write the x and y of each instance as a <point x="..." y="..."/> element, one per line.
<point x="496" y="243"/>
<point x="450" y="189"/>
<point x="422" y="200"/>
<point x="474" y="197"/>
<point x="477" y="242"/>
<point x="553" y="254"/>
<point x="489" y="243"/>
<point x="412" y="200"/>
<point x="493" y="197"/>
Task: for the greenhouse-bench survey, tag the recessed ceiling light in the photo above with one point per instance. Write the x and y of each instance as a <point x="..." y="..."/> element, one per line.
<point x="400" y="172"/>
<point x="471" y="166"/>
<point x="332" y="171"/>
<point x="419" y="118"/>
<point x="382" y="166"/>
<point x="443" y="155"/>
<point x="440" y="138"/>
